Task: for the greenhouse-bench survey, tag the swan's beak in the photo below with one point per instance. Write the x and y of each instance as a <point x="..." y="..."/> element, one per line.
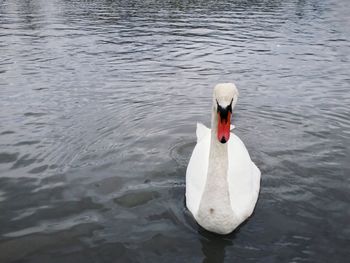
<point x="224" y="121"/>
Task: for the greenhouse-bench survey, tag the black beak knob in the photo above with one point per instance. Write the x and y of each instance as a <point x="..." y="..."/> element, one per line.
<point x="224" y="111"/>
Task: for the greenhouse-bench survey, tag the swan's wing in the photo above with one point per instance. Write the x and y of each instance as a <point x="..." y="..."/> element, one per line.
<point x="201" y="131"/>
<point x="243" y="178"/>
<point x="256" y="183"/>
<point x="197" y="169"/>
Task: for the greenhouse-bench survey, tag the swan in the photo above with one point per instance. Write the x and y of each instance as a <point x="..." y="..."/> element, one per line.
<point x="222" y="182"/>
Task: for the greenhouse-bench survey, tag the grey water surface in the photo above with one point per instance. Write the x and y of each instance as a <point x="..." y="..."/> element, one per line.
<point x="98" y="106"/>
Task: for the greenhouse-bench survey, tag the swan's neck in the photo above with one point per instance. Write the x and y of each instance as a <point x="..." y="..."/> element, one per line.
<point x="215" y="205"/>
<point x="218" y="156"/>
<point x="218" y="161"/>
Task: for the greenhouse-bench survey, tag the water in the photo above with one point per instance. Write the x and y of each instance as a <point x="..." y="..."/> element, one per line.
<point x="98" y="106"/>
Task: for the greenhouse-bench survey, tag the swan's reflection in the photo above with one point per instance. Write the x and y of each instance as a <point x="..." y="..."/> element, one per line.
<point x="213" y="246"/>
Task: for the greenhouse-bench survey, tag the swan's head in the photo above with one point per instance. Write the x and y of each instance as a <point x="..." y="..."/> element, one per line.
<point x="225" y="98"/>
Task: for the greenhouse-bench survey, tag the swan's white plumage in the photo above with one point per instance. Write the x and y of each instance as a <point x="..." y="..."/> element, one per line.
<point x="243" y="179"/>
<point x="201" y="131"/>
<point x="222" y="182"/>
<point x="197" y="169"/>
<point x="243" y="175"/>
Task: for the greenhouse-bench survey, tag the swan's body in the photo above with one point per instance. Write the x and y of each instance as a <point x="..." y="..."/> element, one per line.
<point x="222" y="182"/>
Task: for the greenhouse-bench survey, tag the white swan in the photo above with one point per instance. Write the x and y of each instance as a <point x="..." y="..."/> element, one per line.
<point x="222" y="182"/>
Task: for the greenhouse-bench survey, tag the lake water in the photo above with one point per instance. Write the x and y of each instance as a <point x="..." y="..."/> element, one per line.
<point x="98" y="107"/>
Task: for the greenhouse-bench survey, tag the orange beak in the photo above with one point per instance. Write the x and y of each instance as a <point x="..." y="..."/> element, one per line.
<point x="224" y="127"/>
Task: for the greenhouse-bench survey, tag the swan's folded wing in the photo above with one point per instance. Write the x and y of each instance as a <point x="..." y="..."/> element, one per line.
<point x="201" y="131"/>
<point x="243" y="178"/>
<point x="256" y="181"/>
<point x="197" y="169"/>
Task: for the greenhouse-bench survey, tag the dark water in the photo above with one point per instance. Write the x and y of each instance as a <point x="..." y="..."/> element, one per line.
<point x="98" y="106"/>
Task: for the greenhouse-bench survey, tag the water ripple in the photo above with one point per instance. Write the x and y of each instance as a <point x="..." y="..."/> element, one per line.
<point x="98" y="107"/>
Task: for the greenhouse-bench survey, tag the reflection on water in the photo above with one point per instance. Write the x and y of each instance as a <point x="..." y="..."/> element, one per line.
<point x="213" y="246"/>
<point x="98" y="106"/>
